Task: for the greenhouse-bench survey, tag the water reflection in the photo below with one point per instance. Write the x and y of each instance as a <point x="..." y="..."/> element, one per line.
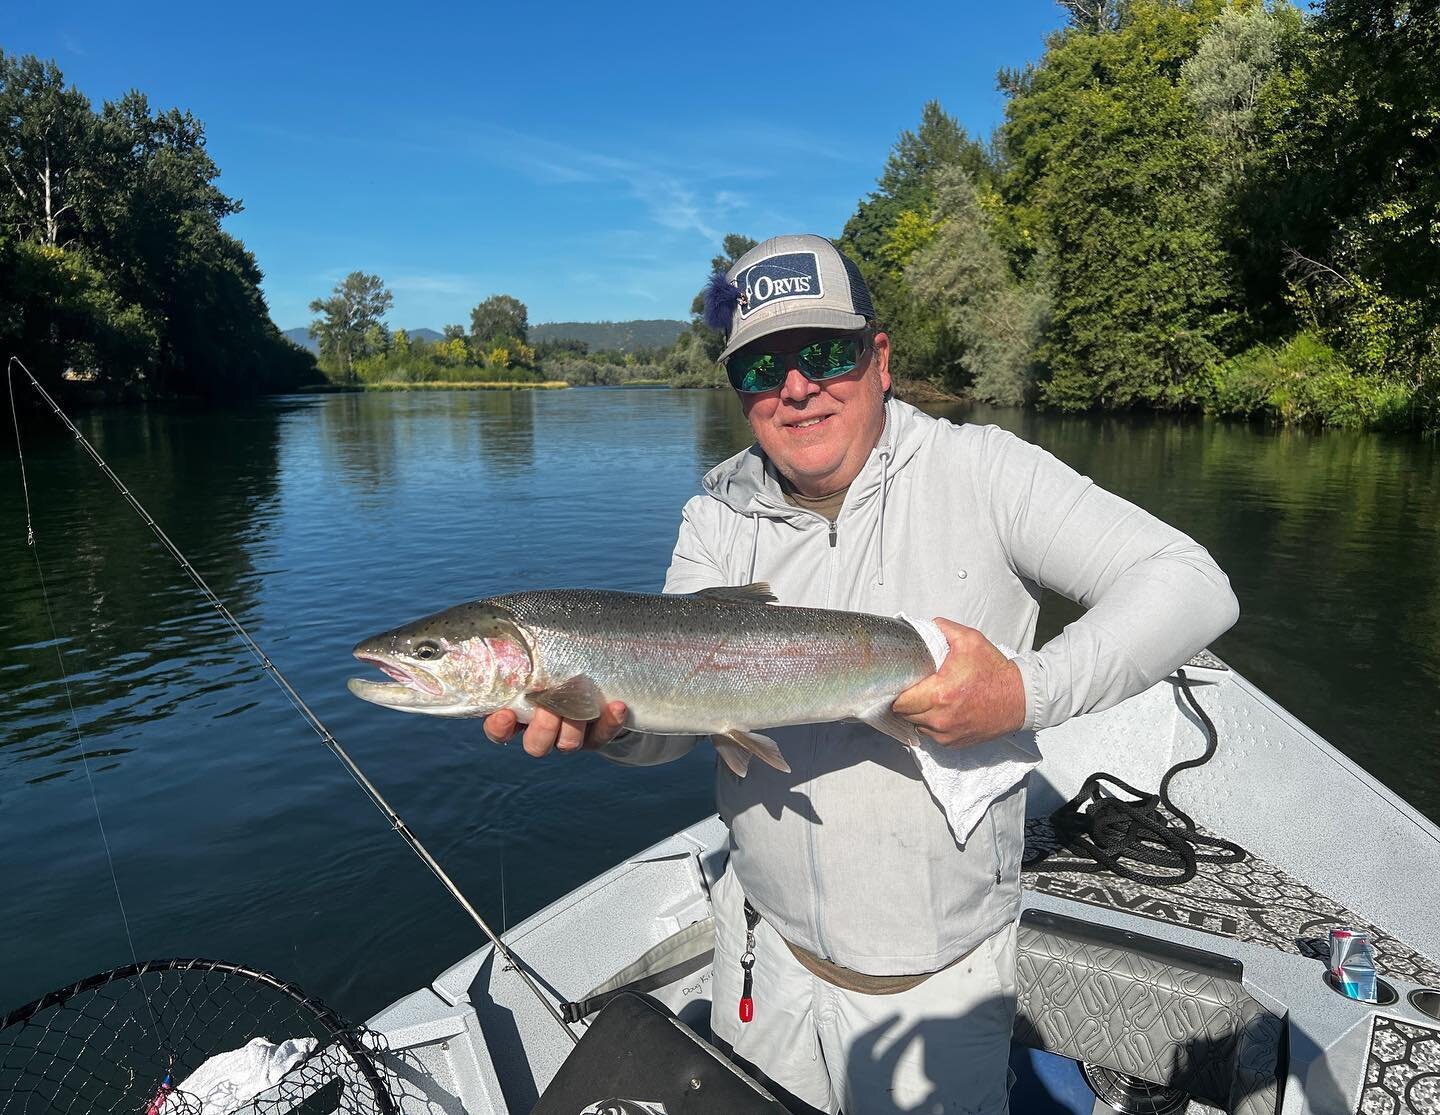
<point x="323" y="521"/>
<point x="136" y="638"/>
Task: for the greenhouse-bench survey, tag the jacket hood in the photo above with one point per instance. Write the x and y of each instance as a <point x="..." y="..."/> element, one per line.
<point x="746" y="482"/>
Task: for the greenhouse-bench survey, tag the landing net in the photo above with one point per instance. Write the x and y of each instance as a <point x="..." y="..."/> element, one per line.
<point x="131" y="1040"/>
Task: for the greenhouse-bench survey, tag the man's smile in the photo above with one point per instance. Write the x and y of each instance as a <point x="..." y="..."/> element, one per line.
<point x="808" y="423"/>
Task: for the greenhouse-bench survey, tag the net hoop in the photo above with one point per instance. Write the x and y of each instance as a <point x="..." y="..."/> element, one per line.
<point x="340" y="1030"/>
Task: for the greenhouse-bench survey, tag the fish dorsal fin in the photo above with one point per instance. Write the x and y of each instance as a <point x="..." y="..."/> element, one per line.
<point x="762" y="747"/>
<point x="756" y="593"/>
<point x="577" y="698"/>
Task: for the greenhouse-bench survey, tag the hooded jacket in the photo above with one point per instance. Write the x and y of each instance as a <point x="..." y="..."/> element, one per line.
<point x="848" y="855"/>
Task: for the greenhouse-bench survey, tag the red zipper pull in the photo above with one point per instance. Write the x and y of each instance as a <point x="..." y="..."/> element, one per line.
<point x="747" y="1009"/>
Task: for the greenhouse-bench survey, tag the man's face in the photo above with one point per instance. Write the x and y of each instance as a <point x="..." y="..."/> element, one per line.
<point x="819" y="435"/>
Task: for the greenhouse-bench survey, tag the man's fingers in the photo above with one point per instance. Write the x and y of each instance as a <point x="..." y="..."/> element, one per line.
<point x="919" y="698"/>
<point x="608" y="725"/>
<point x="572" y="734"/>
<point x="542" y="733"/>
<point x="500" y="726"/>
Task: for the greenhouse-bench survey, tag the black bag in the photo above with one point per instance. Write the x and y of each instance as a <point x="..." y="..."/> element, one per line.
<point x="638" y="1059"/>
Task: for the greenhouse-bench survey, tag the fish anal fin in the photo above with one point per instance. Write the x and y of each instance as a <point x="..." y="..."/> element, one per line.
<point x="762" y="747"/>
<point x="735" y="756"/>
<point x="576" y="698"/>
<point x="758" y="592"/>
<point x="896" y="727"/>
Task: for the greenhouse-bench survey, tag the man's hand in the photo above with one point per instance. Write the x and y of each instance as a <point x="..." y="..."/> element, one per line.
<point x="977" y="694"/>
<point x="547" y="731"/>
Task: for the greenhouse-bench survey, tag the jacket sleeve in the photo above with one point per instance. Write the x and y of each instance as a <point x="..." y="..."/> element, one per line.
<point x="691" y="568"/>
<point x="1153" y="595"/>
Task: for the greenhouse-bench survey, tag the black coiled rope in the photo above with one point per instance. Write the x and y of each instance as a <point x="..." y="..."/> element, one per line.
<point x="1103" y="829"/>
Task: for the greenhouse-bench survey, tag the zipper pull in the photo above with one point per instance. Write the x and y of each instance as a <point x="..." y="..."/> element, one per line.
<point x="747" y="962"/>
<point x="833" y="529"/>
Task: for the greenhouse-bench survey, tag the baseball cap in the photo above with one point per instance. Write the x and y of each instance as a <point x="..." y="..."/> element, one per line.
<point x="788" y="282"/>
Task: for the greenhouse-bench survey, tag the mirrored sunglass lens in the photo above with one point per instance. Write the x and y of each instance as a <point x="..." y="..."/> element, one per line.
<point x="754" y="373"/>
<point x="827" y="359"/>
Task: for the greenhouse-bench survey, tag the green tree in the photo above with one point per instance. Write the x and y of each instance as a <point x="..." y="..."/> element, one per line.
<point x="963" y="274"/>
<point x="1107" y="178"/>
<point x="138" y="289"/>
<point x="499" y="318"/>
<point x="895" y="221"/>
<point x="1223" y="79"/>
<point x="1342" y="219"/>
<point x="358" y="302"/>
<point x="46" y="132"/>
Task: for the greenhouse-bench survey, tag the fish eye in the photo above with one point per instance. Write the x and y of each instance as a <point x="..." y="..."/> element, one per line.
<point x="427" y="650"/>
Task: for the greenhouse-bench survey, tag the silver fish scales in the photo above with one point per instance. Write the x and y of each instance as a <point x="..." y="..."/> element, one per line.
<point x="722" y="662"/>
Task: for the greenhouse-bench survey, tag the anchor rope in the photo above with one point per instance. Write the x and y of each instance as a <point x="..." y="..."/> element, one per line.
<point x="296" y="701"/>
<point x="1103" y="829"/>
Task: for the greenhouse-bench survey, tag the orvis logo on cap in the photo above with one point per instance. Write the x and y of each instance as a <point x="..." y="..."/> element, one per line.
<point x="795" y="275"/>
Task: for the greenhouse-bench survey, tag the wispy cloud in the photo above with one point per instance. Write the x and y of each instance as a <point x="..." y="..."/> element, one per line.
<point x="679" y="199"/>
<point x="433" y="284"/>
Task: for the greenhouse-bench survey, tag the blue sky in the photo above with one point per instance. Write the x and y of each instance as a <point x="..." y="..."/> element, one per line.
<point x="585" y="158"/>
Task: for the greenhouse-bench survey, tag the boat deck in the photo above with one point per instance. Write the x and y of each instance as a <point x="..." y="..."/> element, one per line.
<point x="1249" y="900"/>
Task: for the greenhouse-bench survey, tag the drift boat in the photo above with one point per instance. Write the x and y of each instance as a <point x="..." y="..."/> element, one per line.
<point x="1208" y="995"/>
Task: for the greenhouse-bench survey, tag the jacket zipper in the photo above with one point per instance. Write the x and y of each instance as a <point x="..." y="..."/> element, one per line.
<point x="994" y="842"/>
<point x="814" y="732"/>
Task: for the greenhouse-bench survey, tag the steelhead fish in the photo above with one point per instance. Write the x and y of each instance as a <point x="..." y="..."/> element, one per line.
<point x="721" y="662"/>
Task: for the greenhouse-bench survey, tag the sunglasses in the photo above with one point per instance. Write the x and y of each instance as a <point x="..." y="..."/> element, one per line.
<point x="754" y="372"/>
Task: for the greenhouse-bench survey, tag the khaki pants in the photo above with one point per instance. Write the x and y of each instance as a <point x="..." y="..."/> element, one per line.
<point x="941" y="1047"/>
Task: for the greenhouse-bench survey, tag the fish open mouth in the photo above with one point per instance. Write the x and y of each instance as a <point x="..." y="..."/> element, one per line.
<point x="408" y="677"/>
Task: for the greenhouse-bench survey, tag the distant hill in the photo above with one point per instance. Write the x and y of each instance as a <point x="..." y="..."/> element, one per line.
<point x="301" y="336"/>
<point x="611" y="336"/>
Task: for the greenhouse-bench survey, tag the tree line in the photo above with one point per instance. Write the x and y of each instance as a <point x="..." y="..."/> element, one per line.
<point x="357" y="346"/>
<point x="1218" y="206"/>
<point x="114" y="270"/>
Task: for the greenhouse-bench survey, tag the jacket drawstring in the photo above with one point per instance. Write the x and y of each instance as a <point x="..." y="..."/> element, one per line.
<point x="754" y="544"/>
<point x="884" y="483"/>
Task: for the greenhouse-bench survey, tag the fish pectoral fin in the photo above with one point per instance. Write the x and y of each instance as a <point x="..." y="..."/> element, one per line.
<point x="735" y="756"/>
<point x="762" y="747"/>
<point x="896" y="727"/>
<point x="577" y="698"/>
<point x="757" y="592"/>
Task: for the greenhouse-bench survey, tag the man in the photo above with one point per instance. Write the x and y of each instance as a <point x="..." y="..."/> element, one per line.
<point x="883" y="942"/>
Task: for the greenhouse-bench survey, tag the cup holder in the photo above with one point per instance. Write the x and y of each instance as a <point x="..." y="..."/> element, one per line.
<point x="1427" y="1001"/>
<point x="1385" y="995"/>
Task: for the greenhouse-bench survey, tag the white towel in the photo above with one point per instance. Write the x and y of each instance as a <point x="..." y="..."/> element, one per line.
<point x="965" y="780"/>
<point x="228" y="1081"/>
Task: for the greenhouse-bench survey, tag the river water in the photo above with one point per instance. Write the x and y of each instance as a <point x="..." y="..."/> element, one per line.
<point x="235" y="834"/>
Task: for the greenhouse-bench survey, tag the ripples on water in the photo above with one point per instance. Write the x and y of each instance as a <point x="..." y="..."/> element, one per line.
<point x="322" y="521"/>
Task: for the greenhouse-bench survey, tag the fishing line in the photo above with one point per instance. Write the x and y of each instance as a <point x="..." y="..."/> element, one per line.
<point x="296" y="701"/>
<point x="33" y="545"/>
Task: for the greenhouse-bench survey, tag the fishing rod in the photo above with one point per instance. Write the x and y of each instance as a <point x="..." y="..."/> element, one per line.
<point x="268" y="667"/>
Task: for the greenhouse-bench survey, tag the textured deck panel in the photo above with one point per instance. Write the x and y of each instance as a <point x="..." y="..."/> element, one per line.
<point x="1402" y="1072"/>
<point x="1252" y="901"/>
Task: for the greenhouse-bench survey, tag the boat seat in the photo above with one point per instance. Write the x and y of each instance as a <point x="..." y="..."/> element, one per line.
<point x="637" y="1058"/>
<point x="1152" y="1009"/>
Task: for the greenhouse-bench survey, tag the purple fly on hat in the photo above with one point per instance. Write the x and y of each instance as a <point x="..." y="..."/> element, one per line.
<point x="788" y="282"/>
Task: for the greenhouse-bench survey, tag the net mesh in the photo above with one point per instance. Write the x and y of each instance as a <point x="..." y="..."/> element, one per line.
<point x="107" y="1043"/>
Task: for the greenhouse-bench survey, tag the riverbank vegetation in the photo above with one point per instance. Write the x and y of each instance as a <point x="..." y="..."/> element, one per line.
<point x="115" y="275"/>
<point x="1211" y="206"/>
